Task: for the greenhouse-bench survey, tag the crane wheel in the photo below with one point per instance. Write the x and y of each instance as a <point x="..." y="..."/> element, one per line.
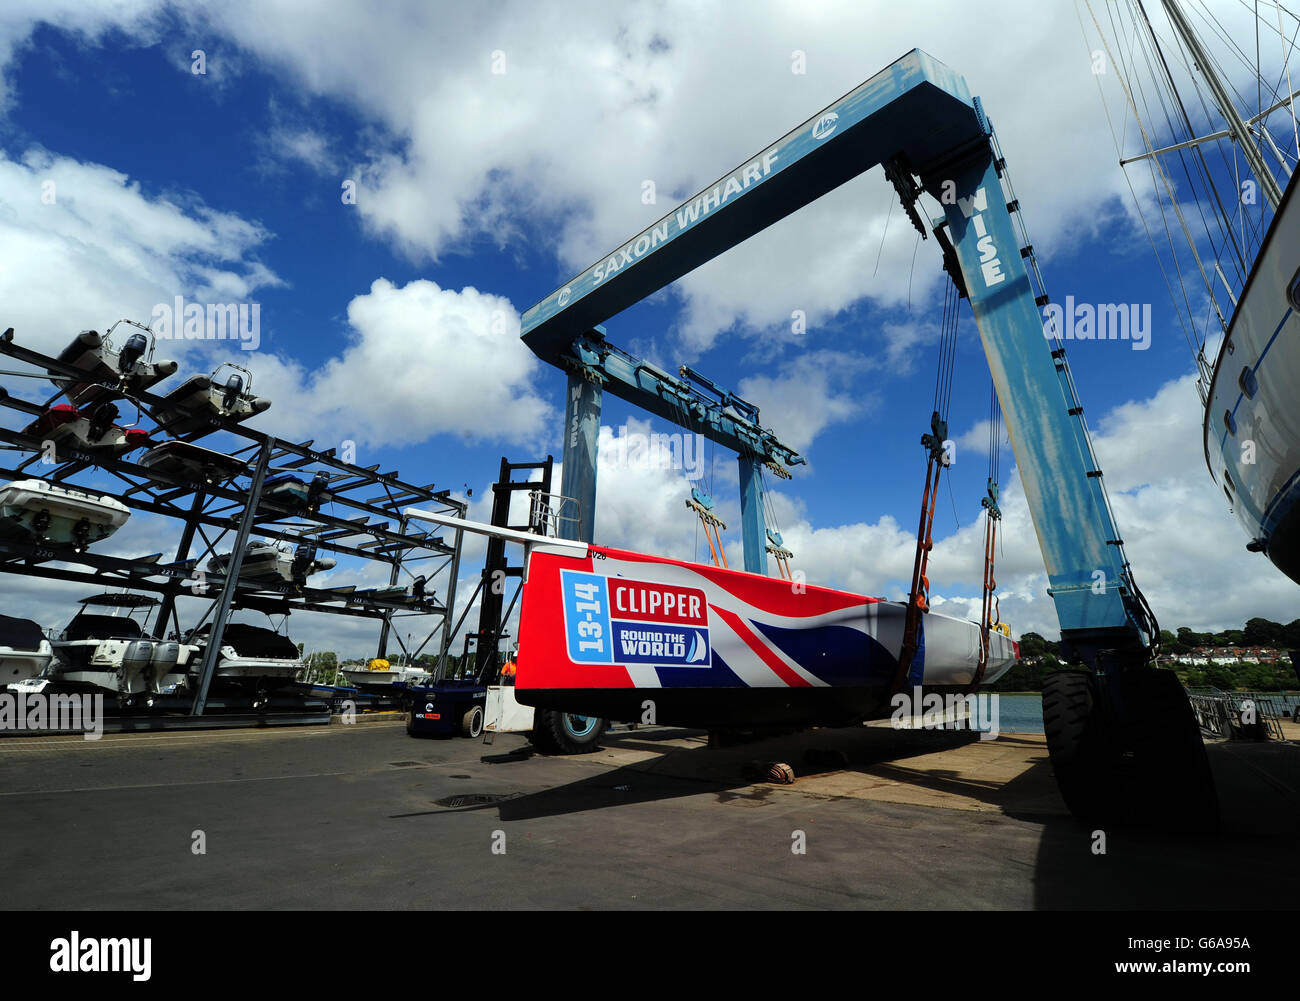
<point x="1084" y="756"/>
<point x="1173" y="774"/>
<point x="555" y="732"/>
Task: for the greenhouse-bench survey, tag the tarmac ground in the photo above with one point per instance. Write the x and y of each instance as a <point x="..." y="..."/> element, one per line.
<point x="364" y="816"/>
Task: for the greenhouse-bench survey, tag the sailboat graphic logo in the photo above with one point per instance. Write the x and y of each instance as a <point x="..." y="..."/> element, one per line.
<point x="699" y="651"/>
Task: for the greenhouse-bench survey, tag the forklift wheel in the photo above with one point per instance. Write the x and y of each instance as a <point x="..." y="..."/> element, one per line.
<point x="1084" y="759"/>
<point x="471" y="724"/>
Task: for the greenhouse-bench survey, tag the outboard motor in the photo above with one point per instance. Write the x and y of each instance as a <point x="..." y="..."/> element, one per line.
<point x="303" y="557"/>
<point x="234" y="389"/>
<point x="101" y="419"/>
<point x="316" y="489"/>
<point x="132" y="352"/>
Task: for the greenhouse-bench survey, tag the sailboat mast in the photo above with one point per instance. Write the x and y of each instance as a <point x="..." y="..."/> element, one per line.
<point x="1238" y="128"/>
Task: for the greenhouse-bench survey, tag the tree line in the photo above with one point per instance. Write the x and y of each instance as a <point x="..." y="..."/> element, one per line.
<point x="1040" y="656"/>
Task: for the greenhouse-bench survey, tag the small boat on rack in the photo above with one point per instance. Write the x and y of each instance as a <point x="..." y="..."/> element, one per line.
<point x="295" y="493"/>
<point x="275" y="563"/>
<point x="179" y="460"/>
<point x="114" y="651"/>
<point x="24" y="650"/>
<point x="37" y="511"/>
<point x="112" y="367"/>
<point x="405" y="594"/>
<point x="379" y="673"/>
<point x="192" y="405"/>
<point x="252" y="659"/>
<point x="91" y="431"/>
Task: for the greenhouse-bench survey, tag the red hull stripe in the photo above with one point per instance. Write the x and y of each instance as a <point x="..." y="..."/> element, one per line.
<point x="765" y="654"/>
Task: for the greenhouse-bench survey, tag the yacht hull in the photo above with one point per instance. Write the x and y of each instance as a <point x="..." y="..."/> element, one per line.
<point x="1252" y="420"/>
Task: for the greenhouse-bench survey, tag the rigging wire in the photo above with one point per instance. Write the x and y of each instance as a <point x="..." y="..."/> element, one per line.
<point x="1157" y="169"/>
<point x="1137" y="204"/>
<point x="880" y="253"/>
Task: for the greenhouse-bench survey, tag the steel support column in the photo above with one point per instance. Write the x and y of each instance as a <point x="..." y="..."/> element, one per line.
<point x="213" y="651"/>
<point x="752" y="525"/>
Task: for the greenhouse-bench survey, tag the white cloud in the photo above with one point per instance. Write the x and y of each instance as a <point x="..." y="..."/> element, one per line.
<point x="814" y="391"/>
<point x="480" y="153"/>
<point x="422" y="360"/>
<point x="119" y="248"/>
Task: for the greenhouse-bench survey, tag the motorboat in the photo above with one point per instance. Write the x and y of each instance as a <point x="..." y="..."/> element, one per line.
<point x="38" y="511"/>
<point x="194" y="404"/>
<point x="404" y="594"/>
<point x="180" y="460"/>
<point x="25" y="652"/>
<point x="251" y="658"/>
<point x="380" y="673"/>
<point x="296" y="494"/>
<point x="271" y="562"/>
<point x="90" y="431"/>
<point x="113" y="650"/>
<point x="113" y="365"/>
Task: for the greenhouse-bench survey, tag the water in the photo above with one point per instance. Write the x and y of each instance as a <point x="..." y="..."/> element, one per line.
<point x="1020" y="713"/>
<point x="1024" y="713"/>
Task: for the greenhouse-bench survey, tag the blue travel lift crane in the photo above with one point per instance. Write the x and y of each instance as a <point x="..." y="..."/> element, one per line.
<point x="1118" y="730"/>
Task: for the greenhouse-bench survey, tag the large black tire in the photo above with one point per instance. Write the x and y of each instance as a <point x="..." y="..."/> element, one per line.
<point x="1173" y="780"/>
<point x="1085" y="757"/>
<point x="560" y="733"/>
<point x="471" y="724"/>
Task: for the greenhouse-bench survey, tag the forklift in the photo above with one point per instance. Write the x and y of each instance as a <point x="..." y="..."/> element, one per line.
<point x="455" y="702"/>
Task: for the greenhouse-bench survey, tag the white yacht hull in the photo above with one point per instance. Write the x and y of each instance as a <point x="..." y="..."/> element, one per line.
<point x="1252" y="420"/>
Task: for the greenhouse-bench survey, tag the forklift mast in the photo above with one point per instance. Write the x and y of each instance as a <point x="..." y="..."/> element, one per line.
<point x="496" y="568"/>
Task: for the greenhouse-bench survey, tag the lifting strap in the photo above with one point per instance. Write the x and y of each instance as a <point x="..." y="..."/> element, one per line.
<point x="919" y="597"/>
<point x="990" y="618"/>
<point x="938" y="456"/>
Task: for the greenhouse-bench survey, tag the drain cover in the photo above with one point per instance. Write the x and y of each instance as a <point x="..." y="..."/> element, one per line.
<point x="474" y="799"/>
<point x="406" y="764"/>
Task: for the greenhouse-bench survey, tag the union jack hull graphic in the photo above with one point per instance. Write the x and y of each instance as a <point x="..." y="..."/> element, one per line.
<point x="614" y="633"/>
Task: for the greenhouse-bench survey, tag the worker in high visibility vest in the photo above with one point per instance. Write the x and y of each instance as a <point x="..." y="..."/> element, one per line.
<point x="508" y="672"/>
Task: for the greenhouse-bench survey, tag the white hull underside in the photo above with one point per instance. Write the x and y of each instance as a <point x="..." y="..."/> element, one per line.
<point x="1252" y="439"/>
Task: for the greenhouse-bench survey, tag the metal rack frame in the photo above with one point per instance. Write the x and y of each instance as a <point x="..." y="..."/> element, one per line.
<point x="210" y="511"/>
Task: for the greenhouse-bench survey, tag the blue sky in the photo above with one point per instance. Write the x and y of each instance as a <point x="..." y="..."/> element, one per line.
<point x="497" y="187"/>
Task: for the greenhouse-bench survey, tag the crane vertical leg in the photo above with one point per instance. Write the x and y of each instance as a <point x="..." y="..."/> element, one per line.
<point x="581" y="435"/>
<point x="753" y="530"/>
